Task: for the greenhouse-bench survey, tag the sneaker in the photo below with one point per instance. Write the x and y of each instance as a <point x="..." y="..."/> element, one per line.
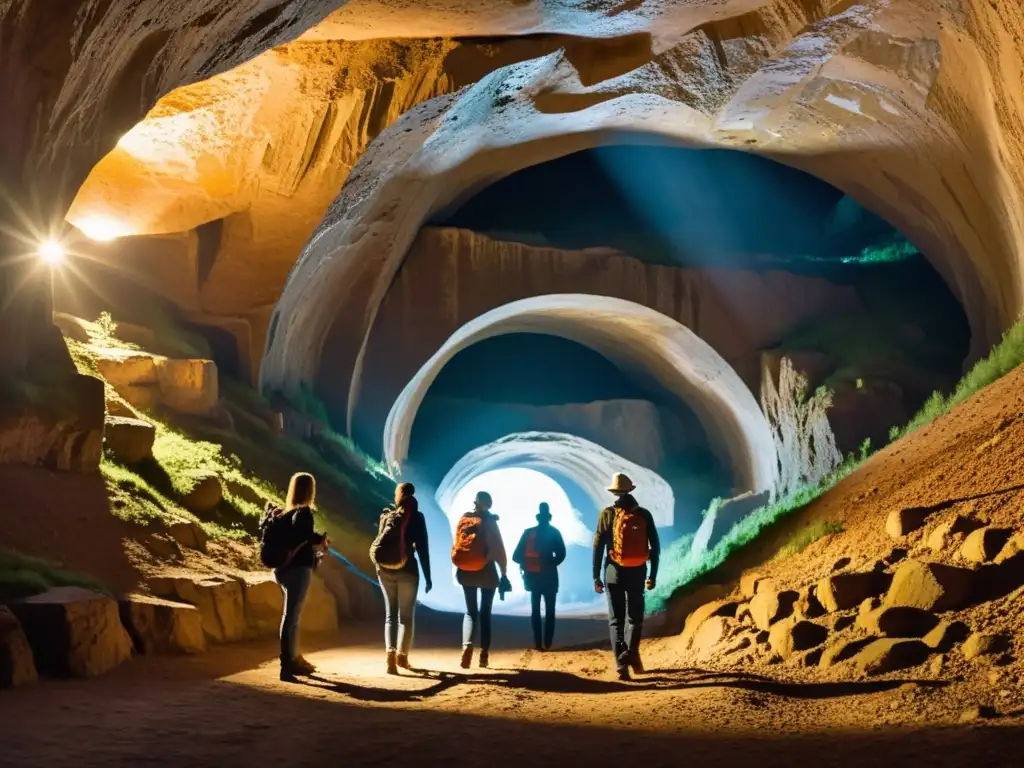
<point x="402" y="660"/>
<point x="467" y="656"/>
<point x="392" y="663"/>
<point x="484" y="660"/>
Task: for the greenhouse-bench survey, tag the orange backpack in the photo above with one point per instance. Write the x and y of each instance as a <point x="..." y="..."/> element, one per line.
<point x="531" y="557"/>
<point x="629" y="538"/>
<point x="469" y="550"/>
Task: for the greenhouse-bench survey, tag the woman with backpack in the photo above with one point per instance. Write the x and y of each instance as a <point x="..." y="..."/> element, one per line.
<point x="293" y="549"/>
<point x="401" y="535"/>
<point x="478" y="555"/>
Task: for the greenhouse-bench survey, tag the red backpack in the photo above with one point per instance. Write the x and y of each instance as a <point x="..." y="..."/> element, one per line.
<point x="629" y="538"/>
<point x="469" y="550"/>
<point x="532" y="562"/>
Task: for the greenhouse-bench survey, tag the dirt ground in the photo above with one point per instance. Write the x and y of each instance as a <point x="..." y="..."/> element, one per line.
<point x="228" y="708"/>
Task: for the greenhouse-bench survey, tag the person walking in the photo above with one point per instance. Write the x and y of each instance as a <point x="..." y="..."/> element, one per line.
<point x="401" y="539"/>
<point x="478" y="555"/>
<point x="626" y="532"/>
<point x="540" y="551"/>
<point x="291" y="546"/>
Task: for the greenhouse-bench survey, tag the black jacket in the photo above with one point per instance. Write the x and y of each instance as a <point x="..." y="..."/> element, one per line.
<point x="603" y="542"/>
<point x="551" y="548"/>
<point x="302" y="533"/>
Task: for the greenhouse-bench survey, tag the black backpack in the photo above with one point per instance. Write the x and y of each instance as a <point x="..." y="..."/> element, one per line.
<point x="389" y="550"/>
<point x="276" y="542"/>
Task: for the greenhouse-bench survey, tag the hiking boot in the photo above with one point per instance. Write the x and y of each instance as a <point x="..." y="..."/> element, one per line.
<point x="392" y="663"/>
<point x="538" y="647"/>
<point x="288" y="674"/>
<point x="302" y="667"/>
<point x="636" y="665"/>
<point x="467" y="656"/>
<point x="484" y="659"/>
<point x="402" y="660"/>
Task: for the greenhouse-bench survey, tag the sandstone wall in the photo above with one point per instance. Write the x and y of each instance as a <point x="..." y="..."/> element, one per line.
<point x="451" y="276"/>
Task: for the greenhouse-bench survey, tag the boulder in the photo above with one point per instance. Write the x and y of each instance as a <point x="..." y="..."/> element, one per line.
<point x="984" y="544"/>
<point x="945" y="635"/>
<point x="979" y="644"/>
<point x="264" y="603"/>
<point x="807" y="604"/>
<point x="60" y="428"/>
<point x="769" y="606"/>
<point x="73" y="631"/>
<point x="162" y="626"/>
<point x="793" y="635"/>
<point x="1013" y="548"/>
<point x="930" y="586"/>
<point x="897" y="621"/>
<point x="696" y="619"/>
<point x="205" y="495"/>
<point x="188" y="386"/>
<point x="143" y="398"/>
<point x="751" y="581"/>
<point x="710" y="635"/>
<point x="678" y="610"/>
<point x="219" y="599"/>
<point x="889" y="654"/>
<point x="128" y="370"/>
<point x="841" y="649"/>
<point x="320" y="613"/>
<point x="904" y="521"/>
<point x="843" y="591"/>
<point x="17" y="666"/>
<point x="944" y="534"/>
<point x="190" y="535"/>
<point x="128" y="440"/>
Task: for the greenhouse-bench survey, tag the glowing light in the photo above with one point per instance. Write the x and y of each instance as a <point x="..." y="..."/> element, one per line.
<point x="51" y="252"/>
<point x="101" y="228"/>
<point x="517" y="493"/>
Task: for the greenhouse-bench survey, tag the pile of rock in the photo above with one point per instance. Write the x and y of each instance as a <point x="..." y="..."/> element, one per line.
<point x="893" y="615"/>
<point x="75" y="632"/>
<point x="187" y="386"/>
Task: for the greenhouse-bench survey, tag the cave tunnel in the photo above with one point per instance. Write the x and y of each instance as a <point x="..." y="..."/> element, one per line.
<point x="757" y="259"/>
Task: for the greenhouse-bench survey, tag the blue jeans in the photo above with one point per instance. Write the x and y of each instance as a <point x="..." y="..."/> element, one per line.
<point x="399" y="588"/>
<point x="294" y="581"/>
<point x="475" y="615"/>
<point x="625" y="607"/>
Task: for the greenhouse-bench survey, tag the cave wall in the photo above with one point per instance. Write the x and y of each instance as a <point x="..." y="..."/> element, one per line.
<point x="452" y="276"/>
<point x="912" y="108"/>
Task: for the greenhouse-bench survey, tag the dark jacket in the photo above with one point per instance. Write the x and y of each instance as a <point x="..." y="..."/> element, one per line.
<point x="616" y="574"/>
<point x="488" y="577"/>
<point x="551" y="548"/>
<point x="302" y="533"/>
<point x="415" y="539"/>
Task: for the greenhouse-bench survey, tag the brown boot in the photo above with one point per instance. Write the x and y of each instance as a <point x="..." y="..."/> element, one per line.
<point x="467" y="656"/>
<point x="392" y="663"/>
<point x="403" y="661"/>
<point x="636" y="664"/>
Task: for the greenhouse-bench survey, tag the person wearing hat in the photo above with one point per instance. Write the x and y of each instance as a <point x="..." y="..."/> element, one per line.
<point x="626" y="533"/>
<point x="540" y="551"/>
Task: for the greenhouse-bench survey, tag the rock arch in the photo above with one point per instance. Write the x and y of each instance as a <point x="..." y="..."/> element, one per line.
<point x="639" y="340"/>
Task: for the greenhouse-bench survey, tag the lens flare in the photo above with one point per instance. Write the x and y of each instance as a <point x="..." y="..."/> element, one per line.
<point x="52" y="252"/>
<point x="101" y="228"/>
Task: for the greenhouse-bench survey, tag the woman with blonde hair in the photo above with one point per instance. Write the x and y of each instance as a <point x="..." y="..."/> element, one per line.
<point x="293" y="549"/>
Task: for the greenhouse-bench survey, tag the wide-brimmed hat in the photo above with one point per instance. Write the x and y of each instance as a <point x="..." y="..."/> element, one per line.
<point x="621" y="484"/>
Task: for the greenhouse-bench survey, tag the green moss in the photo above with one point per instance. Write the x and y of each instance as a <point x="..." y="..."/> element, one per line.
<point x="807" y="536"/>
<point x="23" y="576"/>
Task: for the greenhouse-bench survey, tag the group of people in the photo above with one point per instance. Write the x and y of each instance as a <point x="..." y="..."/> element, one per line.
<point x="625" y="564"/>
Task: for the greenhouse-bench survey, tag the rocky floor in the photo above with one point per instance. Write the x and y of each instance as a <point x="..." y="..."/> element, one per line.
<point x="228" y="708"/>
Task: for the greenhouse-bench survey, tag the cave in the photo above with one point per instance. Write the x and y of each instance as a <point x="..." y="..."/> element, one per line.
<point x="514" y="246"/>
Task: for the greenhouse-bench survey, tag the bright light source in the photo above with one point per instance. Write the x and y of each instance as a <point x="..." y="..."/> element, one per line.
<point x="101" y="228"/>
<point x="51" y="252"/>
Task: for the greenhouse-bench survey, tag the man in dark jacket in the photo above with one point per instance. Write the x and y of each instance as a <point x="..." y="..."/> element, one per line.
<point x="540" y="551"/>
<point x="626" y="531"/>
